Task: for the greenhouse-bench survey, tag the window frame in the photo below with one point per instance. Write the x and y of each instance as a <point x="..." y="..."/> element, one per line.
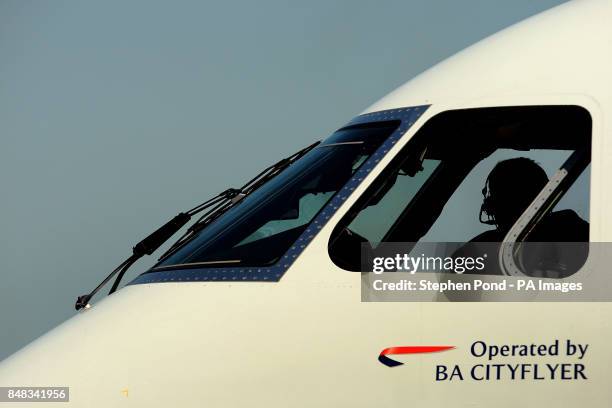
<point x="406" y="116"/>
<point x="556" y="188"/>
<point x="568" y="171"/>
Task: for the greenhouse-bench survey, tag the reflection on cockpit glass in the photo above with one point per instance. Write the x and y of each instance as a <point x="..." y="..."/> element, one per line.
<point x="376" y="219"/>
<point x="308" y="206"/>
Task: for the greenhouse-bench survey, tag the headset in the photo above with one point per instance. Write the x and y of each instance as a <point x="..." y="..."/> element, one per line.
<point x="522" y="196"/>
<point x="488" y="203"/>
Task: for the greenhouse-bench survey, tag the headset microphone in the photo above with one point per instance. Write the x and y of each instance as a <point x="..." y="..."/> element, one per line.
<point x="487" y="208"/>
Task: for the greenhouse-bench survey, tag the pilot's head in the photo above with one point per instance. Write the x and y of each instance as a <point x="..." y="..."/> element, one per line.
<point x="510" y="188"/>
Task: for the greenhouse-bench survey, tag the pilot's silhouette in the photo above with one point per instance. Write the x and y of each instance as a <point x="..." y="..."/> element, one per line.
<point x="509" y="189"/>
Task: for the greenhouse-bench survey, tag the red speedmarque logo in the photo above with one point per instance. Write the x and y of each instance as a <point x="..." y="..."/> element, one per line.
<point x="382" y="357"/>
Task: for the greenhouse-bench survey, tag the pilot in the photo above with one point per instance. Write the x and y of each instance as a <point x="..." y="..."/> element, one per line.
<point x="509" y="189"/>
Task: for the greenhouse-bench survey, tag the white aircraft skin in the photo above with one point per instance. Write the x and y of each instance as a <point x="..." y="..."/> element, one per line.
<point x="307" y="340"/>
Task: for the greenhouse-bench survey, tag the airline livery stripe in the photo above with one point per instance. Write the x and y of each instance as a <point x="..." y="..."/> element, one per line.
<point x="408" y="350"/>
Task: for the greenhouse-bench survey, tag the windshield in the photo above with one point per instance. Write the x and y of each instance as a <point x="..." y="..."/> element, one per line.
<point x="264" y="225"/>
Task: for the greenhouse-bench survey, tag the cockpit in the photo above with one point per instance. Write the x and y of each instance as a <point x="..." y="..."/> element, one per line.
<point x="259" y="230"/>
<point x="438" y="188"/>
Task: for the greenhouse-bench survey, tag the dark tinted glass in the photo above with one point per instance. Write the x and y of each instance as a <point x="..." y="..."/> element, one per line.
<point x="260" y="229"/>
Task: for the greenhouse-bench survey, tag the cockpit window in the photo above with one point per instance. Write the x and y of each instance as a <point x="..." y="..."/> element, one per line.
<point x="264" y="225"/>
<point x="468" y="175"/>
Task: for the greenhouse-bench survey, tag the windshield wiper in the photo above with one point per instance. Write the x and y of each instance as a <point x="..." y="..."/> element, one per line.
<point x="216" y="206"/>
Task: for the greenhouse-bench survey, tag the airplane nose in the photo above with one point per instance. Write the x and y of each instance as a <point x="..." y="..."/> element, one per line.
<point x="174" y="344"/>
<point x="83" y="355"/>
